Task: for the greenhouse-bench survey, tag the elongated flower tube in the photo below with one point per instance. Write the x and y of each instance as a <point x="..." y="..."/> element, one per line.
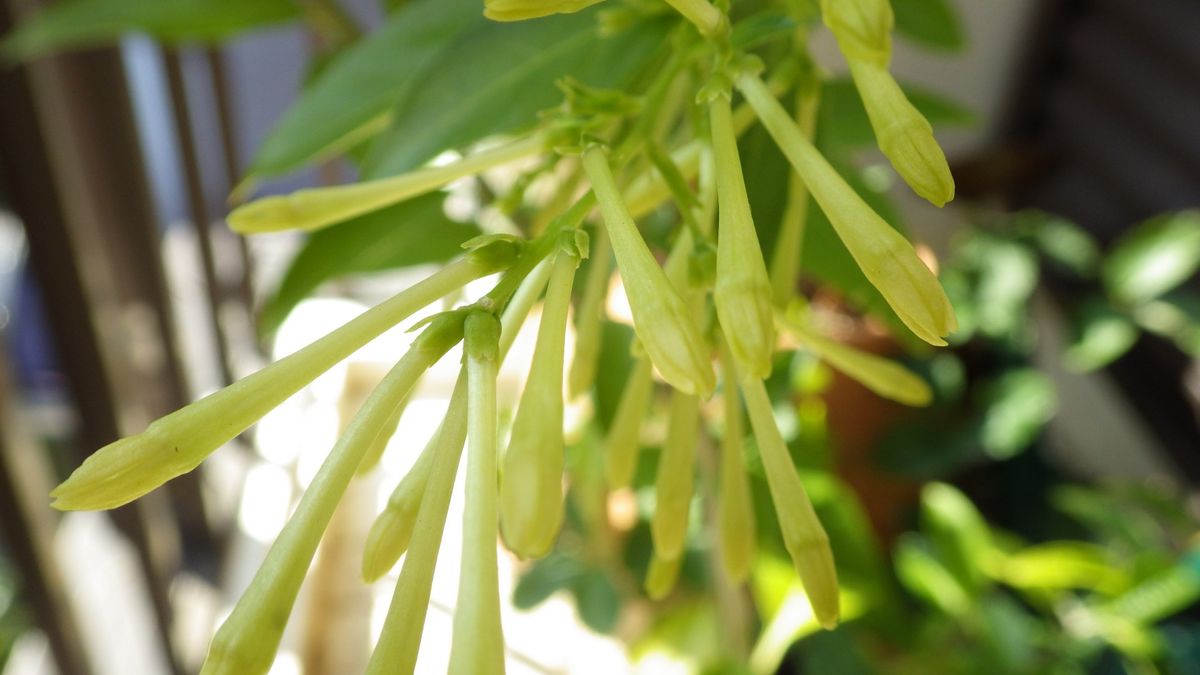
<point x="519" y="10"/>
<point x="392" y="530"/>
<point x="743" y="290"/>
<point x="396" y="651"/>
<point x="590" y="317"/>
<point x="882" y="376"/>
<point x="789" y="243"/>
<point x="667" y="329"/>
<point x="175" y="444"/>
<point x="710" y="21"/>
<point x="478" y="643"/>
<point x="735" y="512"/>
<point x="803" y="535"/>
<point x="661" y="576"/>
<point x="622" y="443"/>
<point x="531" y="496"/>
<point x="247" y="640"/>
<point x="314" y="208"/>
<point x="887" y="259"/>
<point x="674" y="483"/>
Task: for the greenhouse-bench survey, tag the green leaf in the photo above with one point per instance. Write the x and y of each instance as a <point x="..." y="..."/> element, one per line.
<point x="597" y="600"/>
<point x="1062" y="566"/>
<point x="958" y="532"/>
<point x="1154" y="258"/>
<point x="552" y="573"/>
<point x="1017" y="405"/>
<point x="82" y="23"/>
<point x="1062" y="242"/>
<point x="1176" y="316"/>
<point x="932" y="23"/>
<point x="842" y="120"/>
<point x="354" y="94"/>
<point x="409" y="233"/>
<point x="1102" y="335"/>
<point x="925" y="576"/>
<point x="497" y="77"/>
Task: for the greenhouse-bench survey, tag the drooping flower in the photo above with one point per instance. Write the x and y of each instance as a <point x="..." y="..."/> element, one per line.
<point x="667" y="330"/>
<point x="886" y="258"/>
<point x="735" y="511"/>
<point x="674" y="482"/>
<point x="520" y="10"/>
<point x="622" y="443"/>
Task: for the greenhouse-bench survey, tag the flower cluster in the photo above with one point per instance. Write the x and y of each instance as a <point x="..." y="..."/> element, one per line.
<point x="713" y="301"/>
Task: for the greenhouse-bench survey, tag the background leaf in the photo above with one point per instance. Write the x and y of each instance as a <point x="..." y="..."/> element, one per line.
<point x="363" y="83"/>
<point x="88" y="22"/>
<point x="1102" y="335"/>
<point x="496" y="77"/>
<point x="931" y="23"/>
<point x="1155" y="257"/>
<point x="409" y="233"/>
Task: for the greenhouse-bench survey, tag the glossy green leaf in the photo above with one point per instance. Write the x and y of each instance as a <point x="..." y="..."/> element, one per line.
<point x="1154" y="258"/>
<point x="351" y="98"/>
<point x="958" y="532"/>
<point x="82" y="23"/>
<point x="1063" y="565"/>
<point x="925" y="576"/>
<point x="1102" y="335"/>
<point x="1017" y="406"/>
<point x="1062" y="242"/>
<point x="544" y="577"/>
<point x="497" y="78"/>
<point x="410" y="233"/>
<point x="842" y="120"/>
<point x="1176" y="316"/>
<point x="597" y="601"/>
<point x="932" y="23"/>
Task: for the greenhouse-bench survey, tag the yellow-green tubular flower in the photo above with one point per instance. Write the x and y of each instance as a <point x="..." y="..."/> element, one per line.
<point x="661" y="576"/>
<point x="904" y="135"/>
<point x="396" y="651"/>
<point x="623" y="441"/>
<point x="743" y="290"/>
<point x="519" y="10"/>
<point x="175" y="444"/>
<point x="676" y="472"/>
<point x="315" y="208"/>
<point x="477" y="647"/>
<point x="590" y="317"/>
<point x="374" y="453"/>
<point x="710" y="21"/>
<point x="882" y="376"/>
<point x="803" y="535"/>
<point x="246" y="642"/>
<point x="392" y="530"/>
<point x="863" y="28"/>
<point x="667" y="330"/>
<point x="531" y="499"/>
<point x="887" y="259"/>
<point x="789" y="243"/>
<point x="735" y="512"/>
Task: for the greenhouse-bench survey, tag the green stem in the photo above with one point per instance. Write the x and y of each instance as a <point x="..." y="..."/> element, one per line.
<point x="789" y="245"/>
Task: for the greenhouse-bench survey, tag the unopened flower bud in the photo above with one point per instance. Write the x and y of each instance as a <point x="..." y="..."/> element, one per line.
<point x="175" y="444"/>
<point x="531" y="499"/>
<point x="886" y="258"/>
<point x="392" y="530"/>
<point x="590" y="317"/>
<point x="623" y="441"/>
<point x="904" y="135"/>
<point x="863" y="28"/>
<point x="743" y="290"/>
<point x="667" y="330"/>
<point x="661" y="576"/>
<point x="477" y="647"/>
<point x="519" y="10"/>
<point x="674" y="483"/>
<point x="803" y="536"/>
<point x="735" y="511"/>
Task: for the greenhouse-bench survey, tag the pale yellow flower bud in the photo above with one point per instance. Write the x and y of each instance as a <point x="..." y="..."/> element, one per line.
<point x="743" y="290"/>
<point x="624" y="434"/>
<point x="531" y="498"/>
<point x="668" y="331"/>
<point x="519" y="10"/>
<point x="674" y="483"/>
<point x="129" y="468"/>
<point x="735" y="510"/>
<point x="392" y="530"/>
<point x="904" y="135"/>
<point x="886" y="258"/>
<point x="803" y="535"/>
<point x="863" y="28"/>
<point x="661" y="576"/>
<point x="477" y="647"/>
<point x="882" y="376"/>
<point x="314" y="208"/>
<point x="590" y="317"/>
